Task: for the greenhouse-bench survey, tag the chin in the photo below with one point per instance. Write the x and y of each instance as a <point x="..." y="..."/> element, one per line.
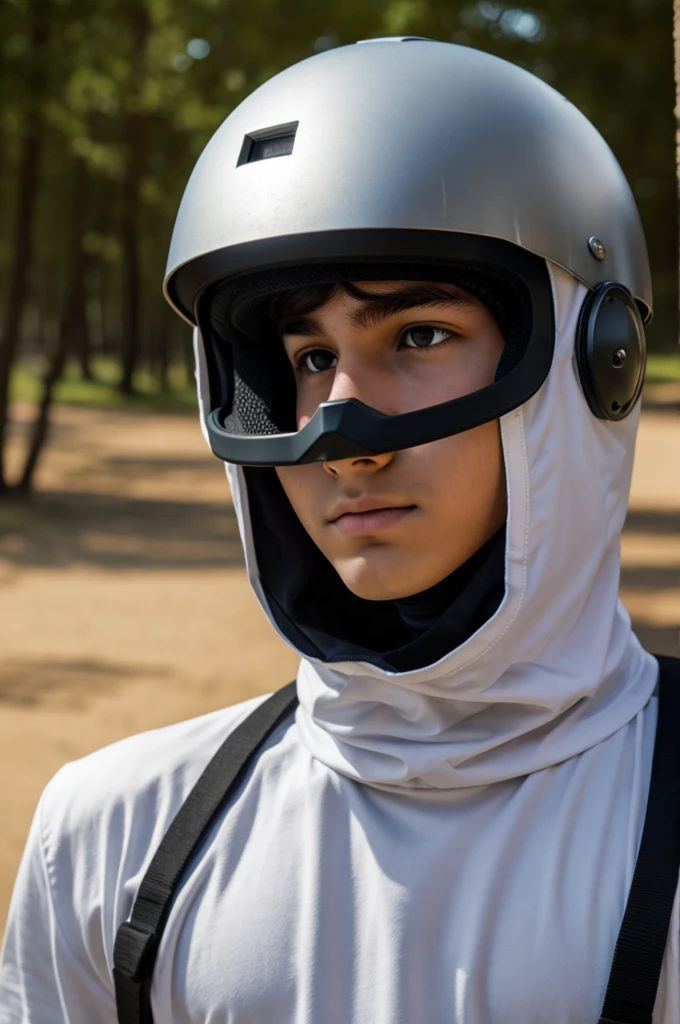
<point x="378" y="580"/>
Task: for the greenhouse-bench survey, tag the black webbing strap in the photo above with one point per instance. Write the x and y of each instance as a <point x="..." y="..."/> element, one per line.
<point x="634" y="978"/>
<point x="138" y="939"/>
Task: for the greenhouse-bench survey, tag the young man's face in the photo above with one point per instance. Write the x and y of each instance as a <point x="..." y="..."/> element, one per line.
<point x="393" y="525"/>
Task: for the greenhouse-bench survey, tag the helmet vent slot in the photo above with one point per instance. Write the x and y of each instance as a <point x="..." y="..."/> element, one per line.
<point x="267" y="143"/>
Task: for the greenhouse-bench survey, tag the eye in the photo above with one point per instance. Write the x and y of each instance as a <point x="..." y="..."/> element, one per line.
<point x="424" y="336"/>
<point x="317" y="361"/>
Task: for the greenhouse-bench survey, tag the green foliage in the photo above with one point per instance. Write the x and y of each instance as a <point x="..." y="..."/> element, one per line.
<point x="103" y="392"/>
<point x="663" y="368"/>
<point x="181" y="67"/>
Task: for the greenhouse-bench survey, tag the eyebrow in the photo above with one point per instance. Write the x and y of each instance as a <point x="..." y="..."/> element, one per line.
<point x="380" y="307"/>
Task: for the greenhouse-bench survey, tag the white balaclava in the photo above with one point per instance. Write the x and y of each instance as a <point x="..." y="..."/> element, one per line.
<point x="557" y="668"/>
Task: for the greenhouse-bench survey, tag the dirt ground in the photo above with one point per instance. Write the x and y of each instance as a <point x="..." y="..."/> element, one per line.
<point x="124" y="603"/>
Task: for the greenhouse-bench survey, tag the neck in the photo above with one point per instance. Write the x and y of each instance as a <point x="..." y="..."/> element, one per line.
<point x="420" y="612"/>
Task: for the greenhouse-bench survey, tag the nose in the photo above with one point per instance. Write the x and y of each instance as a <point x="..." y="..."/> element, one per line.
<point x="360" y="465"/>
<point x="345" y="386"/>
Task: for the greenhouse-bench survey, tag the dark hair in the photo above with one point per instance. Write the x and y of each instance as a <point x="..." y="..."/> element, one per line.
<point x="301" y="301"/>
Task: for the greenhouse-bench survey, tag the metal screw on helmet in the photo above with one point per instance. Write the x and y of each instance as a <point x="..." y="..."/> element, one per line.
<point x="619" y="358"/>
<point x="597" y="247"/>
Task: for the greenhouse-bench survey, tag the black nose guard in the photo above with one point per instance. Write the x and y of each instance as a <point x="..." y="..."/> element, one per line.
<point x="347" y="428"/>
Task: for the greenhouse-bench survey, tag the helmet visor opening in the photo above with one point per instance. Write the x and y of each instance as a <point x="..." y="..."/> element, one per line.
<point x="272" y="360"/>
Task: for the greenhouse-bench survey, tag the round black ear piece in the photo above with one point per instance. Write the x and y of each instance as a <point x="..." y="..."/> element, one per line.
<point x="611" y="351"/>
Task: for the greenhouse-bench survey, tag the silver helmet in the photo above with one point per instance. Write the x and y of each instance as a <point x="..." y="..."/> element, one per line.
<point x="415" y="158"/>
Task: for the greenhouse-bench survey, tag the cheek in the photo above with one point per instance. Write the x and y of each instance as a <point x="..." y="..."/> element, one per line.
<point x="304" y="487"/>
<point x="482" y="452"/>
<point x="465" y="474"/>
<point x="477" y="363"/>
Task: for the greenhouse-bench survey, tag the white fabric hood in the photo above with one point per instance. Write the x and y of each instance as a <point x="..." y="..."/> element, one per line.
<point x="556" y="669"/>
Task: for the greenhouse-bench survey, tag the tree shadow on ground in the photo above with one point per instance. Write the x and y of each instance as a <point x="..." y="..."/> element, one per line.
<point x="665" y="521"/>
<point x="651" y="577"/>
<point x="118" y="470"/>
<point x="30" y="682"/>
<point x="60" y="529"/>
<point x="659" y="639"/>
<point x="148" y="463"/>
<point x="661" y="397"/>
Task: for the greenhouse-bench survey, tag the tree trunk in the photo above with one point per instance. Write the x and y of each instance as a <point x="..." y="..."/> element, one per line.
<point x="136" y="152"/>
<point x="80" y="329"/>
<point x="187" y="349"/>
<point x="106" y="345"/>
<point x="82" y="342"/>
<point x="162" y="347"/>
<point x="28" y="171"/>
<point x="130" y="248"/>
<point x="70" y="322"/>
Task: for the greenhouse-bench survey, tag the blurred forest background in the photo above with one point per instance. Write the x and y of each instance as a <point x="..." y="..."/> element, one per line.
<point x="106" y="104"/>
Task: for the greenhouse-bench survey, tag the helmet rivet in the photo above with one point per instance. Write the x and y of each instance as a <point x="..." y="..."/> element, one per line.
<point x="619" y="358"/>
<point x="597" y="247"/>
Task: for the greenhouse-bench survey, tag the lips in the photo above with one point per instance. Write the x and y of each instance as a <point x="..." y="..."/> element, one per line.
<point x="366" y="516"/>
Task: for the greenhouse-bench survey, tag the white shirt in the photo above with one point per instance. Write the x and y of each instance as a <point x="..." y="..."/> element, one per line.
<point x="320" y="899"/>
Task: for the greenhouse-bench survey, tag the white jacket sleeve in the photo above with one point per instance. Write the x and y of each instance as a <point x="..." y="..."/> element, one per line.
<point x="96" y="828"/>
<point x="46" y="976"/>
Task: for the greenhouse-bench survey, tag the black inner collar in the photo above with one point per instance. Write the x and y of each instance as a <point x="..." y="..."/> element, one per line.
<point x="318" y="614"/>
<point x="422" y="611"/>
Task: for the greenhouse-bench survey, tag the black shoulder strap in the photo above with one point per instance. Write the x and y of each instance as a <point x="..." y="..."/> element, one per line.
<point x="138" y="939"/>
<point x="634" y="978"/>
